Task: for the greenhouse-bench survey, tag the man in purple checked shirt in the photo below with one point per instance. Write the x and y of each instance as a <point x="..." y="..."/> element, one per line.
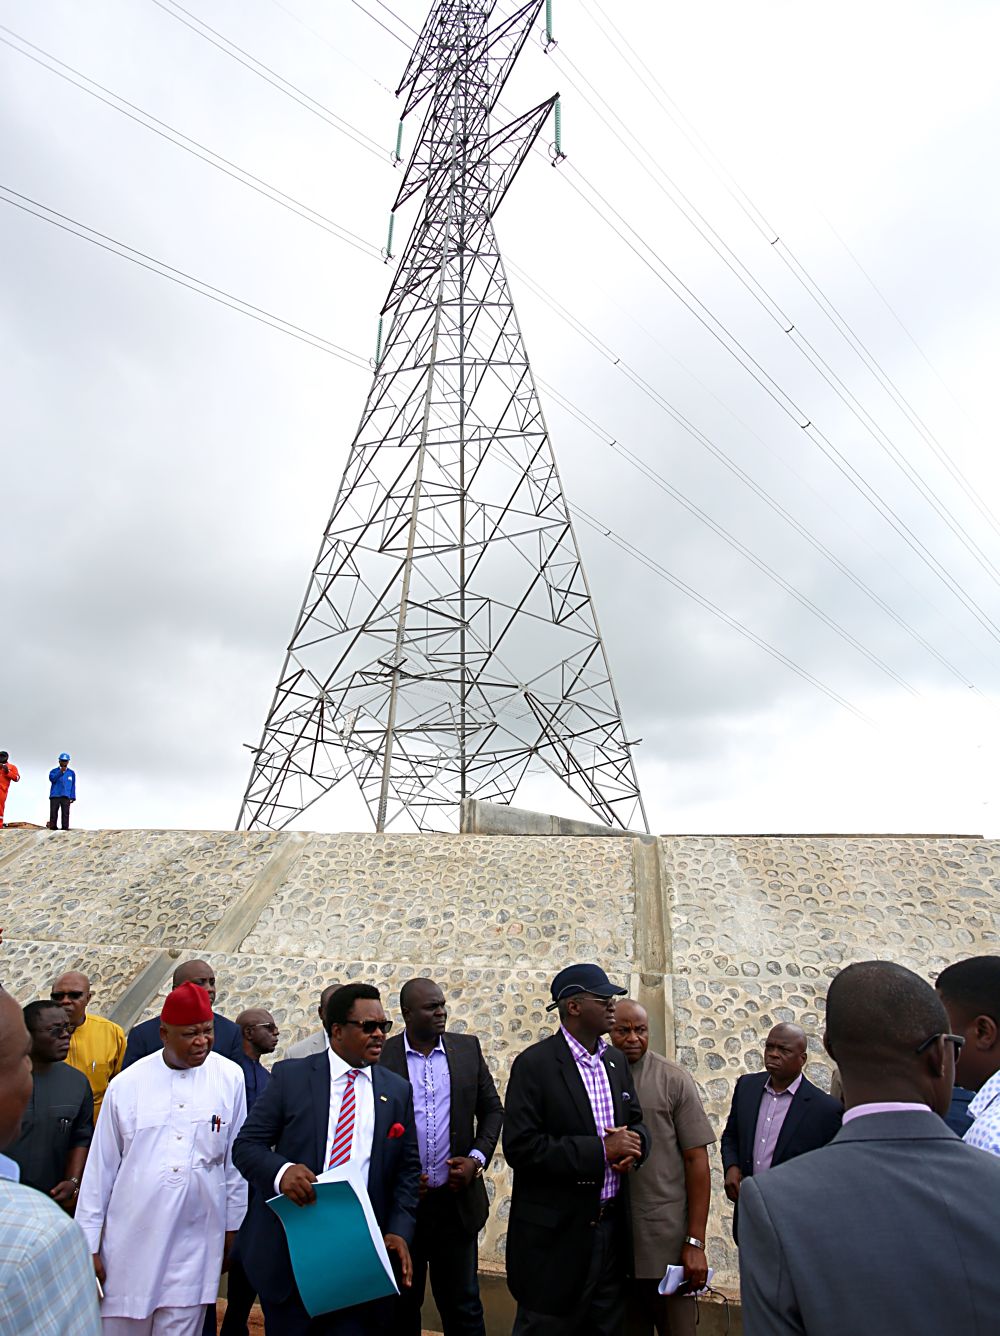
<point x="573" y="1132"/>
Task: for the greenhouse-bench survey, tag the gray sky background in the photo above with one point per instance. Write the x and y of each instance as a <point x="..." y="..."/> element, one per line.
<point x="169" y="464"/>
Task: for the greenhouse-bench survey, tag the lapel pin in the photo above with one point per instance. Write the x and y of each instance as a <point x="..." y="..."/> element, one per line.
<point x="383" y="1099"/>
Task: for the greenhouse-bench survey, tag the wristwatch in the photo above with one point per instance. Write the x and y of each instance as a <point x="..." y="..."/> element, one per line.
<point x="76" y="1185"/>
<point x="695" y="1243"/>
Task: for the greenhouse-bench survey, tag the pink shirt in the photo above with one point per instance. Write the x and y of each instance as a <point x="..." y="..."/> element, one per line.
<point x="860" y="1110"/>
<point x="774" y="1106"/>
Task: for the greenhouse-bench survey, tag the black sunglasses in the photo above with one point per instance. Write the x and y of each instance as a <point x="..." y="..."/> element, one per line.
<point x="957" y="1039"/>
<point x="73" y="997"/>
<point x="370" y="1027"/>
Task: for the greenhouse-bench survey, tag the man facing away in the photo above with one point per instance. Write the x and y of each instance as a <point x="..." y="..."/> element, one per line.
<point x="96" y="1045"/>
<point x="670" y="1197"/>
<point x="62" y="792"/>
<point x="970" y="991"/>
<point x="58" y="1124"/>
<point x="775" y="1115"/>
<point x="9" y="774"/>
<point x="333" y="1109"/>
<point x="161" y="1200"/>
<point x="573" y="1132"/>
<point x="893" y="1227"/>
<point x="46" y="1277"/>
<point x="147" y="1037"/>
<point x="458" y="1119"/>
<point x="318" y="1041"/>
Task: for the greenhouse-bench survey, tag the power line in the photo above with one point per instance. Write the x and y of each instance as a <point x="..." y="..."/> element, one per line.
<point x="72" y="225"/>
<point x="795" y="266"/>
<point x="185" y="142"/>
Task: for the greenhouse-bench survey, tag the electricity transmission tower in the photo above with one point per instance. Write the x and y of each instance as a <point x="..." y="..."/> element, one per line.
<point x="448" y="637"/>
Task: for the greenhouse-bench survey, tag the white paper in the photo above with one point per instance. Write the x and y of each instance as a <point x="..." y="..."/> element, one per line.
<point x="673" y="1277"/>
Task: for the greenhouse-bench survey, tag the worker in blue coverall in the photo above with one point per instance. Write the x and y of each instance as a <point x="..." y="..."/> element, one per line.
<point x="62" y="792"/>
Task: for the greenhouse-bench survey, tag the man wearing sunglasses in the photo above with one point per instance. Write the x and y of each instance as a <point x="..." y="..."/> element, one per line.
<point x="333" y="1109"/>
<point x="96" y="1045"/>
<point x="893" y="1226"/>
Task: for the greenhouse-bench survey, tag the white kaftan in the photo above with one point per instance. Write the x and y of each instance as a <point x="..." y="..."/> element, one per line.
<point x="160" y="1189"/>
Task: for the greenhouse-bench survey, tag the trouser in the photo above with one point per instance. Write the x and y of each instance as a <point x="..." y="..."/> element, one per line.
<point x="162" y="1322"/>
<point x="600" y="1310"/>
<point x="668" y="1315"/>
<point x="209" y="1326"/>
<point x="240" y="1296"/>
<point x="289" y="1318"/>
<point x="443" y="1244"/>
<point x="57" y="807"/>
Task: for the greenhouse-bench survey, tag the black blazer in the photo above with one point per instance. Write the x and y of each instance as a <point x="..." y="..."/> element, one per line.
<point x="812" y="1120"/>
<point x="550" y="1142"/>
<point x="289" y="1123"/>
<point x="476" y="1112"/>
<point x="144" y="1039"/>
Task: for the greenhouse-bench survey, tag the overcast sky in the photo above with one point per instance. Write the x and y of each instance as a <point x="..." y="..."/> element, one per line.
<point x="169" y="464"/>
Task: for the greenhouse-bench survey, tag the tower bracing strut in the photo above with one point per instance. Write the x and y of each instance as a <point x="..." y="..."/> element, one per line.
<point x="448" y="638"/>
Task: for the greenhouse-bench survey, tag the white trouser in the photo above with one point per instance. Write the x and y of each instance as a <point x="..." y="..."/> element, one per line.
<point x="162" y="1322"/>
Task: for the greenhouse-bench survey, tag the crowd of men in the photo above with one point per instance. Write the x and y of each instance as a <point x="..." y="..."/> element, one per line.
<point x="138" y="1170"/>
<point x="62" y="788"/>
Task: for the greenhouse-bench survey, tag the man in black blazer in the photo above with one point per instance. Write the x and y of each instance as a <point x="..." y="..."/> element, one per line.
<point x="144" y="1038"/>
<point x="776" y="1114"/>
<point x="572" y="1133"/>
<point x="291" y="1135"/>
<point x="458" y="1118"/>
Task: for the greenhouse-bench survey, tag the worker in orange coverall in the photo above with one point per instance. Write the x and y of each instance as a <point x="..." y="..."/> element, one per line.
<point x="9" y="774"/>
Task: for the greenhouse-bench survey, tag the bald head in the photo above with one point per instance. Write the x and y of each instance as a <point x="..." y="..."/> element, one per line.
<point x="199" y="972"/>
<point x="877" y="1016"/>
<point x="324" y="998"/>
<point x="260" y="1034"/>
<point x="15" y="1069"/>
<point x="785" y="1055"/>
<point x="72" y="992"/>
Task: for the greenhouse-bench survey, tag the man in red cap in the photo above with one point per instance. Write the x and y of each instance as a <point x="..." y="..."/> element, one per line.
<point x="160" y="1200"/>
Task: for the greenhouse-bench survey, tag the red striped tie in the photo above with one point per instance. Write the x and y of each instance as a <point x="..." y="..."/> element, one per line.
<point x="340" y="1151"/>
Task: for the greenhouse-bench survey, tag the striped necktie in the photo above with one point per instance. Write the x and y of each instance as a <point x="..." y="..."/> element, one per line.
<point x="340" y="1151"/>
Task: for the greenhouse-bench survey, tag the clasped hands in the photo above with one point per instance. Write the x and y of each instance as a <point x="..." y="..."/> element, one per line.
<point x="622" y="1148"/>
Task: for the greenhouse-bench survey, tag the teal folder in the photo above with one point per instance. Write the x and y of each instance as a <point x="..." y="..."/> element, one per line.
<point x="337" y="1253"/>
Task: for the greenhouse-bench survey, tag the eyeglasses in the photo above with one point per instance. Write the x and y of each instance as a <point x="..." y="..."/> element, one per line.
<point x="370" y="1027"/>
<point x="72" y="997"/>
<point x="261" y="1026"/>
<point x="957" y="1039"/>
<point x="55" y="1030"/>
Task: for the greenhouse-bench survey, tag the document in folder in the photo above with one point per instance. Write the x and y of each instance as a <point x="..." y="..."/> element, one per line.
<point x="338" y="1255"/>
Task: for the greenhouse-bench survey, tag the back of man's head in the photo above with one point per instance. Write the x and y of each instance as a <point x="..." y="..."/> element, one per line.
<point x="970" y="991"/>
<point x="878" y="1015"/>
<point x="15" y="1069"/>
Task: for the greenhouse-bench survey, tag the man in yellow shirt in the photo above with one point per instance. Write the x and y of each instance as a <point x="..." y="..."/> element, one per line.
<point x="96" y="1046"/>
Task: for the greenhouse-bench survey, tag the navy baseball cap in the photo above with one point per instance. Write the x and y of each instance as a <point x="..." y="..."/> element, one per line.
<point x="582" y="979"/>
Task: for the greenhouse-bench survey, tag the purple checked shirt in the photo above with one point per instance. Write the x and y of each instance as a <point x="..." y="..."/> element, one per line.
<point x="774" y="1106"/>
<point x="598" y="1088"/>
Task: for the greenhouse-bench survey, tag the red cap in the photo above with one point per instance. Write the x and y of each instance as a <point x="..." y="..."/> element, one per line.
<point x="186" y="1005"/>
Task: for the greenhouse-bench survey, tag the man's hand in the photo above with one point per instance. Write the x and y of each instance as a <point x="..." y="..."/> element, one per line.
<point x="695" y="1265"/>
<point x="99" y="1270"/>
<point x="620" y="1144"/>
<point x="397" y="1245"/>
<point x="227" y="1250"/>
<point x="424" y="1186"/>
<point x="462" y="1170"/>
<point x="731" y="1183"/>
<point x="624" y="1166"/>
<point x="297" y="1184"/>
<point x="65" y="1194"/>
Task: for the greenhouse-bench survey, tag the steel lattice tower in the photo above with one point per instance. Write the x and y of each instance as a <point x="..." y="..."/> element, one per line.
<point x="448" y="636"/>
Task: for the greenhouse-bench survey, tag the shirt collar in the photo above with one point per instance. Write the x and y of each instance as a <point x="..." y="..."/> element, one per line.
<point x="438" y="1047"/>
<point x="339" y="1068"/>
<point x="789" y="1090"/>
<point x="580" y="1054"/>
<point x="10" y="1169"/>
<point x="985" y="1096"/>
<point x="887" y="1106"/>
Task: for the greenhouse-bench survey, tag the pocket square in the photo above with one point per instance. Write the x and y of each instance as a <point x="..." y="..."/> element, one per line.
<point x="396" y="1130"/>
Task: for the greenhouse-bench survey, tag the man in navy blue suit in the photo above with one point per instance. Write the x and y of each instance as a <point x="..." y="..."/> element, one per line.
<point x="324" y="1110"/>
<point x="776" y="1114"/>
<point x="144" y="1038"/>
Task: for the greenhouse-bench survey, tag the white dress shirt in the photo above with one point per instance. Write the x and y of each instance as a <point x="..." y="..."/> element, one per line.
<point x="364" y="1117"/>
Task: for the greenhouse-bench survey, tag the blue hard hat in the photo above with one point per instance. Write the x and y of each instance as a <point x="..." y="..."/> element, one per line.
<point x="64" y="756"/>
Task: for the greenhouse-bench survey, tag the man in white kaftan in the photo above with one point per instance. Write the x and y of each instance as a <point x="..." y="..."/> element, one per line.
<point x="160" y="1198"/>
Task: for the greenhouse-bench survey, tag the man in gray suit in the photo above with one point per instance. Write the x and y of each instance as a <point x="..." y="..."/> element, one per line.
<point x="893" y="1227"/>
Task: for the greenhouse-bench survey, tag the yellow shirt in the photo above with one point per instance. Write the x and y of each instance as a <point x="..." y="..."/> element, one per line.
<point x="96" y="1048"/>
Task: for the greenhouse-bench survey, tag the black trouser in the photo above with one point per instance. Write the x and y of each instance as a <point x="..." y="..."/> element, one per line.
<point x="57" y="806"/>
<point x="600" y="1310"/>
<point x="648" y="1310"/>
<point x="442" y="1243"/>
<point x="290" y="1318"/>
<point x="240" y="1295"/>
